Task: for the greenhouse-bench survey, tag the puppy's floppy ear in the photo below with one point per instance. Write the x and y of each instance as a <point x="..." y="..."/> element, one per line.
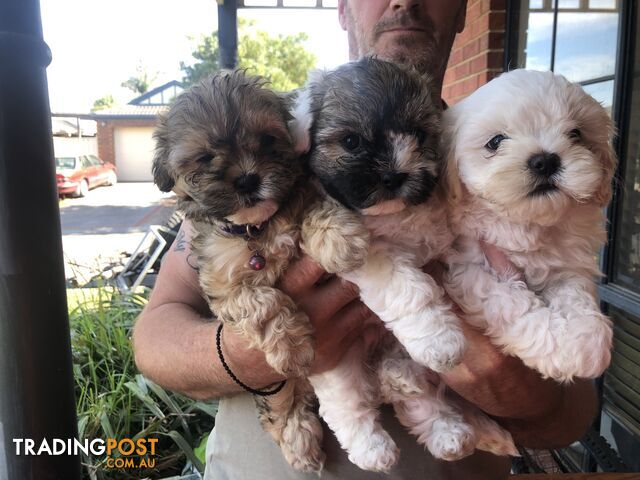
<point x="450" y="172"/>
<point x="609" y="160"/>
<point x="161" y="176"/>
<point x="304" y="109"/>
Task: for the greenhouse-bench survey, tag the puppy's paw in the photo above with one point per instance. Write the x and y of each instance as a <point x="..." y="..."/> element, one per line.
<point x="302" y="441"/>
<point x="397" y="378"/>
<point x="311" y="461"/>
<point x="289" y="344"/>
<point x="451" y="439"/>
<point x="376" y="452"/>
<point x="302" y="449"/>
<point x="583" y="352"/>
<point x="440" y="351"/>
<point x="336" y="238"/>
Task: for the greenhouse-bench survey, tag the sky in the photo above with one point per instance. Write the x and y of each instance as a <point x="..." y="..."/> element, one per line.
<point x="98" y="44"/>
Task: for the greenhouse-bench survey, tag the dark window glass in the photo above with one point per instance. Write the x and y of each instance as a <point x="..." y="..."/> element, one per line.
<point x="626" y="260"/>
<point x="622" y="378"/>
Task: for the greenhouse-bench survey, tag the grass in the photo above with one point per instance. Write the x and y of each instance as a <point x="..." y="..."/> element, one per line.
<point x="115" y="401"/>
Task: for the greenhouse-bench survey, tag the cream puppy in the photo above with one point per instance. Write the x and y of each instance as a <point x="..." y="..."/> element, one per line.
<point x="529" y="170"/>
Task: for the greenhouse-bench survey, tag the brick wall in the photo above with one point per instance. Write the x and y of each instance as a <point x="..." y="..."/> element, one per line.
<point x="478" y="52"/>
<point x="106" y="140"/>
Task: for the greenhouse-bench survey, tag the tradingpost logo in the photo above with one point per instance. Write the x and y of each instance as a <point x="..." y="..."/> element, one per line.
<point x="122" y="453"/>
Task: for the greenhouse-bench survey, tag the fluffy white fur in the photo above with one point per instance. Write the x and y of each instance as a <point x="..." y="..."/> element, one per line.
<point x="549" y="316"/>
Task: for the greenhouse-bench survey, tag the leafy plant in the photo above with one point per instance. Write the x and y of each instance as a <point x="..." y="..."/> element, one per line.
<point x="114" y="401"/>
<point x="281" y="59"/>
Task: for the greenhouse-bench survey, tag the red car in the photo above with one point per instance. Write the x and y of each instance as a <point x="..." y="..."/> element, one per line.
<point x="76" y="175"/>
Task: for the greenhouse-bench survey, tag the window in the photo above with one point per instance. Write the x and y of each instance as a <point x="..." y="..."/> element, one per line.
<point x="85" y="162"/>
<point x="575" y="38"/>
<point x="93" y="160"/>
<point x="626" y="269"/>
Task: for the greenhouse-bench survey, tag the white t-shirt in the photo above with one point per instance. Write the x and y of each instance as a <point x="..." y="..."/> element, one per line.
<point x="238" y="449"/>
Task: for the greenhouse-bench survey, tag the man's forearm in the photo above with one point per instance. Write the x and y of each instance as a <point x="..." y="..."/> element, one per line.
<point x="565" y="423"/>
<point x="176" y="348"/>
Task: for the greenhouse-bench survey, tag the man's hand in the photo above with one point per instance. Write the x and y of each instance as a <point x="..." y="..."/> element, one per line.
<point x="338" y="316"/>
<point x="174" y="337"/>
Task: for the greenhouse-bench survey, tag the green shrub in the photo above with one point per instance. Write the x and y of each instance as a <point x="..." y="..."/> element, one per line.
<point x="114" y="401"/>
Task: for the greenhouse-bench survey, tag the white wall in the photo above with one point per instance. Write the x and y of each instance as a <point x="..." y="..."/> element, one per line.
<point x="72" y="146"/>
<point x="134" y="153"/>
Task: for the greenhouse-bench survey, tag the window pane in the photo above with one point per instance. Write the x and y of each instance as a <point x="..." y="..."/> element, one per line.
<point x="586" y="45"/>
<point x="536" y="29"/>
<point x="622" y="378"/>
<point x="627" y="261"/>
<point x="603" y="92"/>
<point x="565" y="4"/>
<point x="627" y="246"/>
<point x="605" y="4"/>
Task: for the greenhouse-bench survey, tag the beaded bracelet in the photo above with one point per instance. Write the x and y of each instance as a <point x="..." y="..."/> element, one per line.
<point x="262" y="393"/>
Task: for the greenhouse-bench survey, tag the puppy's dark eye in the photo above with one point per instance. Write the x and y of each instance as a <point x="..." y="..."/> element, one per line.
<point x="420" y="135"/>
<point x="267" y="142"/>
<point x="495" y="142"/>
<point x="351" y="142"/>
<point x="205" y="159"/>
<point x="575" y="134"/>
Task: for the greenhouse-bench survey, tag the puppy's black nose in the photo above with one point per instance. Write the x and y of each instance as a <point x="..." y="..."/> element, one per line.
<point x="393" y="180"/>
<point x="247" y="183"/>
<point x="544" y="164"/>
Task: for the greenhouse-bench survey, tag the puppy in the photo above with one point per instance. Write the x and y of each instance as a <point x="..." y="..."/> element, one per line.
<point x="372" y="132"/>
<point x="529" y="170"/>
<point x="225" y="150"/>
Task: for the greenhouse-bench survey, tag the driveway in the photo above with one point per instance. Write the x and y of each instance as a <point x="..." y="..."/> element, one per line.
<point x="99" y="228"/>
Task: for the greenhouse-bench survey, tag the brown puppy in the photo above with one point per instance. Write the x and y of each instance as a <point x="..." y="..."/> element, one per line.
<point x="225" y="150"/>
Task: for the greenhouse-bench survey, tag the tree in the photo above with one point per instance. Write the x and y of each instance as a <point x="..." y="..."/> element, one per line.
<point x="281" y="59"/>
<point x="102" y="103"/>
<point x="141" y="82"/>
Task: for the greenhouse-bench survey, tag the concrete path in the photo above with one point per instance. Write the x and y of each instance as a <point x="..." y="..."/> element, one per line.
<point x="97" y="229"/>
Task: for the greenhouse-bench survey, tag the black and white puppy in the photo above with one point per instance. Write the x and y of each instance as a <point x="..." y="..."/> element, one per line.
<point x="371" y="130"/>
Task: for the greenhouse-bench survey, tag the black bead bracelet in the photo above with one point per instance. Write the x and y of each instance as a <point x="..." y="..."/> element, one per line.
<point x="262" y="393"/>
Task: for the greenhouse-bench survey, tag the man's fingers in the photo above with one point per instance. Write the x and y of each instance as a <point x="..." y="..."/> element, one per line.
<point x="300" y="276"/>
<point x="352" y="317"/>
<point x="331" y="297"/>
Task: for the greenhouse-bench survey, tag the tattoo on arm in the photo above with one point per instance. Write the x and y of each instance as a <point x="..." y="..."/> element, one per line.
<point x="180" y="243"/>
<point x="191" y="261"/>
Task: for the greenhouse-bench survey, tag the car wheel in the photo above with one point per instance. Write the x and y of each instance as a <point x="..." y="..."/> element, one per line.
<point x="82" y="190"/>
<point x="112" y="179"/>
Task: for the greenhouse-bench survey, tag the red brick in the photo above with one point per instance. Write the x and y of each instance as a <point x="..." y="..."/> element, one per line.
<point x="471" y="49"/>
<point x="456" y="57"/>
<point x="462" y="70"/>
<point x="474" y="11"/>
<point x="449" y="77"/>
<point x="470" y="84"/>
<point x="497" y="20"/>
<point x="457" y="90"/>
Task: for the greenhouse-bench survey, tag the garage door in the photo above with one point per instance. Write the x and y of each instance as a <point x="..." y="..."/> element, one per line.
<point x="134" y="153"/>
